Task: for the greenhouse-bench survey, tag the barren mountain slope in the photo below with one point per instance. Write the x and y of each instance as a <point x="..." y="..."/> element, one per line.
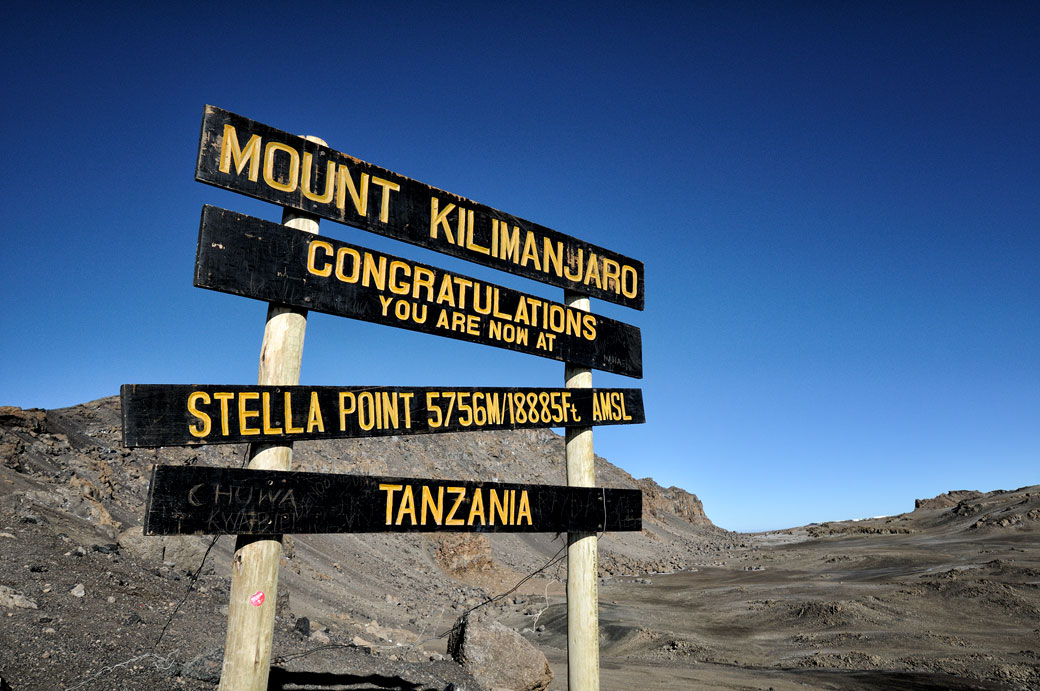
<point x="946" y="596"/>
<point x="69" y="486"/>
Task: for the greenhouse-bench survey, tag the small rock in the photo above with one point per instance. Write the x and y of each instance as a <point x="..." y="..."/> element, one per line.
<point x="303" y="626"/>
<point x="9" y="597"/>
<point x="205" y="667"/>
<point x="320" y="637"/>
<point x="78" y="590"/>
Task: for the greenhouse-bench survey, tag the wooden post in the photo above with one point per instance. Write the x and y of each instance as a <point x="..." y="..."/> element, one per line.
<point x="582" y="552"/>
<point x="254" y="570"/>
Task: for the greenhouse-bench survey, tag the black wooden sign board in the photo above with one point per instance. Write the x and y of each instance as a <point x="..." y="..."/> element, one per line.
<point x="245" y="156"/>
<point x="188" y="415"/>
<point x="186" y="500"/>
<point x="266" y="261"/>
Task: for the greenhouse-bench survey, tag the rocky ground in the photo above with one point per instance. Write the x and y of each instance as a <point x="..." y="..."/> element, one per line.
<point x="944" y="597"/>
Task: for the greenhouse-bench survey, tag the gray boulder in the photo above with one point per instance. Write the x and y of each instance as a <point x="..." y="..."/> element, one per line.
<point x="497" y="656"/>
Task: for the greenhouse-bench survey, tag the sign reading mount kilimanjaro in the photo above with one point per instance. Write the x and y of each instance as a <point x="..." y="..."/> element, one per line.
<point x="245" y="156"/>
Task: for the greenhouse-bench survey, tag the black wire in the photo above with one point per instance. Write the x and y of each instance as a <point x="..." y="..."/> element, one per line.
<point x="555" y="559"/>
<point x="195" y="576"/>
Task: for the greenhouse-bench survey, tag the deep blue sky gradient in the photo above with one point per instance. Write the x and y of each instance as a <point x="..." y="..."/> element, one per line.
<point x="838" y="205"/>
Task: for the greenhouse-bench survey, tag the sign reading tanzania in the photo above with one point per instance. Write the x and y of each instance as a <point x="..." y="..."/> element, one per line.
<point x="245" y="156"/>
<point x="229" y="501"/>
<point x="185" y="415"/>
<point x="258" y="259"/>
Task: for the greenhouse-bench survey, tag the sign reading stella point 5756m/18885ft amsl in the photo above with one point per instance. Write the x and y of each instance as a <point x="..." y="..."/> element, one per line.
<point x="245" y="156"/>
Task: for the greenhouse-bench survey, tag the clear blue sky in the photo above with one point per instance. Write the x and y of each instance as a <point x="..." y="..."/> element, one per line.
<point x="838" y="206"/>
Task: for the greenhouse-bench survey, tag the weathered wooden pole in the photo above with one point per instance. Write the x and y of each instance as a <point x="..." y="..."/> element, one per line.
<point x="254" y="570"/>
<point x="582" y="552"/>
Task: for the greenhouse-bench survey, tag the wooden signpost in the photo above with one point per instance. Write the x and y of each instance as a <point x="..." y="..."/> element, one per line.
<point x="295" y="271"/>
<point x="186" y="500"/>
<point x="185" y="415"/>
<point x="258" y="259"/>
<point x="245" y="156"/>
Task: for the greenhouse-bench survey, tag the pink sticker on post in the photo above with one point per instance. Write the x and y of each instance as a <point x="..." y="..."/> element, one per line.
<point x="257" y="598"/>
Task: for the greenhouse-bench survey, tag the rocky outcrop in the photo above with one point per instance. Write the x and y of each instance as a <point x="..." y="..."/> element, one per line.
<point x="662" y="502"/>
<point x="947" y="500"/>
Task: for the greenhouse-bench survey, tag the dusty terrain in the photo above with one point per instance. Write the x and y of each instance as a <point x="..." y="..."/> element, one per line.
<point x="944" y="597"/>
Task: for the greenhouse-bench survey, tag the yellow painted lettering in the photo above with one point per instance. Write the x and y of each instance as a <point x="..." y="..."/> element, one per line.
<point x="578" y="263"/>
<point x="406" y="399"/>
<point x="521" y="316"/>
<point x="423" y="278"/>
<point x="344" y="410"/>
<point x="389" y="489"/>
<point x="344" y="183"/>
<point x="266" y="408"/>
<point x="439" y="218"/>
<point x="592" y="272"/>
<point x="330" y="180"/>
<point x="205" y="424"/>
<point x="462" y="284"/>
<point x="314" y="418"/>
<point x="589" y="321"/>
<point x="229" y="149"/>
<point x="435" y="508"/>
<point x="552" y="257"/>
<point x="524" y="509"/>
<point x="446" y="295"/>
<point x="611" y="274"/>
<point x="471" y="244"/>
<point x="450" y="519"/>
<point x="289" y="429"/>
<point x="355" y="264"/>
<point x="499" y="506"/>
<point x="312" y="258"/>
<point x="391" y="419"/>
<point x="224" y="397"/>
<point x="407" y="506"/>
<point x="294" y="167"/>
<point x="458" y="321"/>
<point x="244" y="414"/>
<point x="396" y="286"/>
<point x="384" y="204"/>
<point x="476" y="508"/>
<point x="509" y="242"/>
<point x="530" y="252"/>
<point x="366" y="414"/>
<point x="629" y="281"/>
<point x="374" y="271"/>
